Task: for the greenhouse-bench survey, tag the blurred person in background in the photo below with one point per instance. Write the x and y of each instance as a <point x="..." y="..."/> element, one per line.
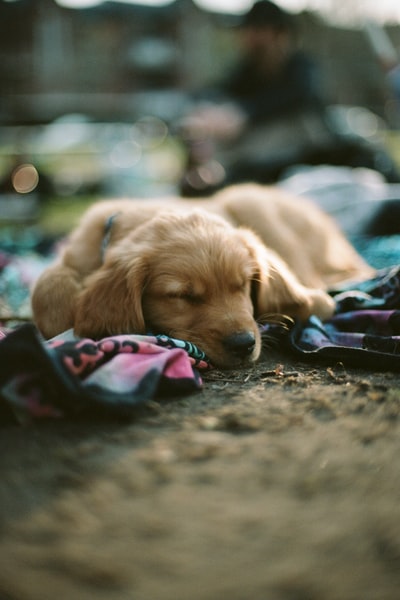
<point x="268" y="114"/>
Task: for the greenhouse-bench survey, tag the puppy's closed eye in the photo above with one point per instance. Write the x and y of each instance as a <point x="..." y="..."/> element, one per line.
<point x="186" y="296"/>
<point x="199" y="295"/>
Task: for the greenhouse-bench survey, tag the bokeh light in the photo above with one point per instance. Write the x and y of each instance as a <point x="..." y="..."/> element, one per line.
<point x="25" y="178"/>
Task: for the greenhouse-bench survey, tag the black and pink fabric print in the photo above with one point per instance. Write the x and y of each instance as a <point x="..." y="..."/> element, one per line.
<point x="80" y="378"/>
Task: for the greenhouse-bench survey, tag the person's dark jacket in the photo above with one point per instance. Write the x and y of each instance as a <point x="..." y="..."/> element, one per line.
<point x="295" y="88"/>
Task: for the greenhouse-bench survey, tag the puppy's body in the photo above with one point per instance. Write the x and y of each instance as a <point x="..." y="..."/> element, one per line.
<point x="198" y="270"/>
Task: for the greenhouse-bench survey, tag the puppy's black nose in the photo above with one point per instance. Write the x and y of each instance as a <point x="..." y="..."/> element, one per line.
<point x="240" y="345"/>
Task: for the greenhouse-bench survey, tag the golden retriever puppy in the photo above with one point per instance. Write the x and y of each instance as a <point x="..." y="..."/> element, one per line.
<point x="205" y="271"/>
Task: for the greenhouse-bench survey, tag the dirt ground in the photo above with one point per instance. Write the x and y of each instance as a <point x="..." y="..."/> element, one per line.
<point x="276" y="483"/>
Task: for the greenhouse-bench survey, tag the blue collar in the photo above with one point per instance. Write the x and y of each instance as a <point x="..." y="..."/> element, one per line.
<point x="107" y="234"/>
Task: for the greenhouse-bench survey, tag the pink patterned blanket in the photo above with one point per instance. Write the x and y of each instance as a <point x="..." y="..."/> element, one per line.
<point x="69" y="377"/>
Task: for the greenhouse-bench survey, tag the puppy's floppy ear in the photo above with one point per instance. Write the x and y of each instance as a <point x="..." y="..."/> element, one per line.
<point x="111" y="301"/>
<point x="276" y="289"/>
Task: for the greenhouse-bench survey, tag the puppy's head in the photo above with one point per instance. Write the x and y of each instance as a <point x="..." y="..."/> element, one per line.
<point x="194" y="277"/>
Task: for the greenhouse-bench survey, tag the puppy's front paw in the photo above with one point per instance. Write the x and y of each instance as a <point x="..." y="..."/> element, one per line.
<point x="321" y="304"/>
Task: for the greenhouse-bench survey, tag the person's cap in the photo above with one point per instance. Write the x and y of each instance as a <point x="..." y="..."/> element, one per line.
<point x="267" y="14"/>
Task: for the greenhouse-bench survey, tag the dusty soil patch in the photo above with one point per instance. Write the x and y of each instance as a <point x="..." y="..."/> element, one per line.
<point x="281" y="482"/>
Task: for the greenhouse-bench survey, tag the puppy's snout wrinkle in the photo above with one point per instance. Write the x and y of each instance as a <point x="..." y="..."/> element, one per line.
<point x="240" y="344"/>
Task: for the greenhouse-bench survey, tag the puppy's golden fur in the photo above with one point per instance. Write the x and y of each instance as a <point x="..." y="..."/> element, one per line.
<point x="203" y="271"/>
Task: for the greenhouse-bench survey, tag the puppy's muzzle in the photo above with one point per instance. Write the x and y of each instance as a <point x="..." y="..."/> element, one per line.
<point x="240" y="345"/>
